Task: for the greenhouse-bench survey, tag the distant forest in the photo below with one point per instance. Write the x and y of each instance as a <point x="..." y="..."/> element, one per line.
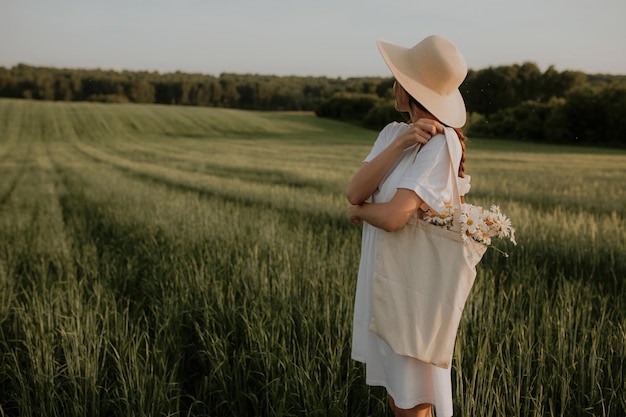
<point x="515" y="101"/>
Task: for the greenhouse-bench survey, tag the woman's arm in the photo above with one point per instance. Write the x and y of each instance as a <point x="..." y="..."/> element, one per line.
<point x="369" y="176"/>
<point x="389" y="216"/>
<point x="367" y="179"/>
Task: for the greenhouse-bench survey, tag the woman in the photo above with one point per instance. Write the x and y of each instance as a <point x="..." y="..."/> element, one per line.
<point x="394" y="184"/>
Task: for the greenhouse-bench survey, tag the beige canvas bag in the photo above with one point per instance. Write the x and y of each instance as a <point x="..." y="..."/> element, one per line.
<point x="423" y="276"/>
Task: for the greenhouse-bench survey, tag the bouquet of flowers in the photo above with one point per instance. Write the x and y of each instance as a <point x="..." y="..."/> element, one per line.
<point x="476" y="223"/>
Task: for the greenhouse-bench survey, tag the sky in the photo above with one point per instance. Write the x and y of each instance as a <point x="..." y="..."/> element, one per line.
<point x="334" y="38"/>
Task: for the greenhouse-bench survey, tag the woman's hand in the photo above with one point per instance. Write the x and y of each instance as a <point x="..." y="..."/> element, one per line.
<point x="419" y="132"/>
<point x="353" y="214"/>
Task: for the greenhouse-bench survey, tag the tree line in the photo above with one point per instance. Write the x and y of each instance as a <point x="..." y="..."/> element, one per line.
<point x="514" y="101"/>
<point x="244" y="91"/>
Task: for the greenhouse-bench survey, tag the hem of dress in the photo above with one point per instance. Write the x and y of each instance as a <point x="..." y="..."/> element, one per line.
<point x="358" y="358"/>
<point x="405" y="405"/>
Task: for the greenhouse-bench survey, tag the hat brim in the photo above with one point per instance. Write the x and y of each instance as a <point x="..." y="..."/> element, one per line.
<point x="449" y="109"/>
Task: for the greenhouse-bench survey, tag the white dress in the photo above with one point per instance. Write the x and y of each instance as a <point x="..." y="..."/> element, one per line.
<point x="409" y="381"/>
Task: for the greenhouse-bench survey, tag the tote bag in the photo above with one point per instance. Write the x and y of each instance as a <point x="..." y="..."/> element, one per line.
<point x="423" y="276"/>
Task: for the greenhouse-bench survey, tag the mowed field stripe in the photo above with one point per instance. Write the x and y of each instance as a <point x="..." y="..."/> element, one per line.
<point x="278" y="196"/>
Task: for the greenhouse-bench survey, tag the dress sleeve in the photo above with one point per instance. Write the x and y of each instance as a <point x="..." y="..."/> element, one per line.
<point x="430" y="175"/>
<point x="385" y="137"/>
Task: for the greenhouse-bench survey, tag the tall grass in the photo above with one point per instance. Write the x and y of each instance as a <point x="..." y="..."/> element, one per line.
<point x="184" y="261"/>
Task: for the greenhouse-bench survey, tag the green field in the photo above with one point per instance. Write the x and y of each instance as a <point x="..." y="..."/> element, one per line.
<point x="185" y="261"/>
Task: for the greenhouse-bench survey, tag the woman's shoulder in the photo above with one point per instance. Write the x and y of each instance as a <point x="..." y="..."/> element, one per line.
<point x="391" y="130"/>
<point x="439" y="144"/>
<point x="436" y="145"/>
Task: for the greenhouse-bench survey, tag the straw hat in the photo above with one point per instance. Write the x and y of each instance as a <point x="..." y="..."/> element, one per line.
<point x="431" y="72"/>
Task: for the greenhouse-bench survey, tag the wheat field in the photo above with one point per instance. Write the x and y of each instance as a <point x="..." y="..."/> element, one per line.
<point x="185" y="261"/>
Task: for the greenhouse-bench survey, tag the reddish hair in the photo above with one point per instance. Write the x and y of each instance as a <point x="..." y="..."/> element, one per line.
<point x="462" y="139"/>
